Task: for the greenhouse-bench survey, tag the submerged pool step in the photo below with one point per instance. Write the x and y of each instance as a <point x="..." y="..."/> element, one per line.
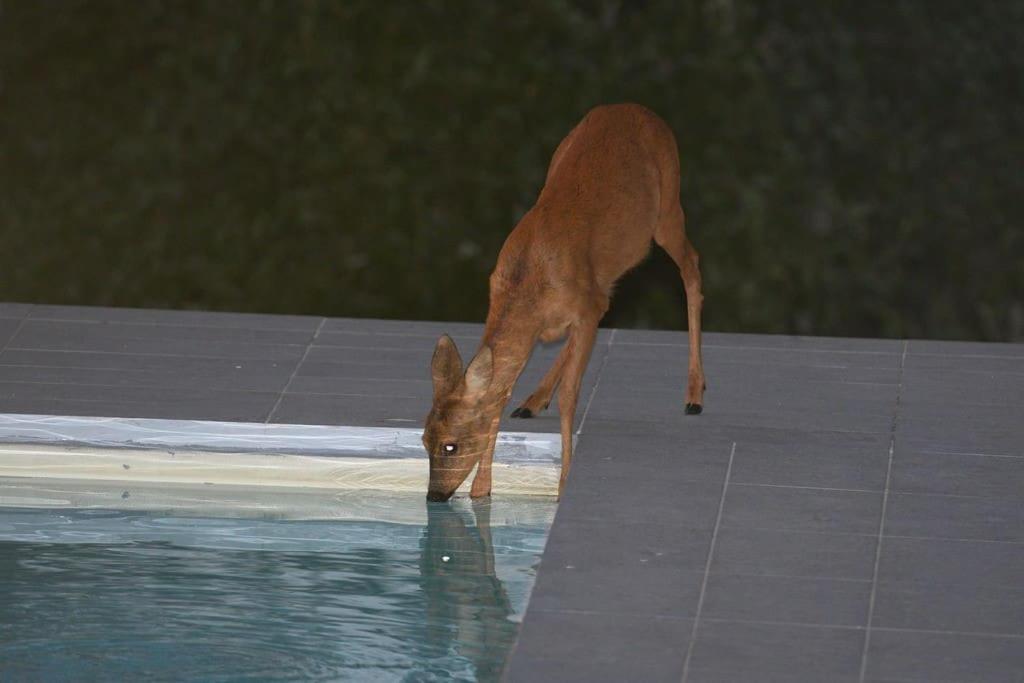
<point x="251" y="454"/>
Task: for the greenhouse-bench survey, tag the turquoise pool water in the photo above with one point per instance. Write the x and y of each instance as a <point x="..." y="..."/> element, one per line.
<point x="99" y="594"/>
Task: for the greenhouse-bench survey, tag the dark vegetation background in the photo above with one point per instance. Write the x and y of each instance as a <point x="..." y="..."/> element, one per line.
<point x="850" y="168"/>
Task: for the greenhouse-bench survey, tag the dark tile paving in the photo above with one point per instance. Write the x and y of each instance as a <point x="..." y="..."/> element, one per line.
<point x="844" y="510"/>
<point x="740" y="651"/>
<point x="724" y="356"/>
<point x="939" y="437"/>
<point x="932" y="606"/>
<point x="979" y="364"/>
<point x="427" y="329"/>
<point x="746" y="376"/>
<point x="961" y="349"/>
<point x="375" y="410"/>
<point x="964" y="474"/>
<point x="921" y="656"/>
<point x="840" y="460"/>
<point x="952" y="561"/>
<point x="600" y="647"/>
<point x="218" y="406"/>
<point x="574" y="547"/>
<point x="802" y="600"/>
<point x="112" y="370"/>
<point x="983" y="519"/>
<point x="592" y="583"/>
<point x="800" y="509"/>
<point x="952" y="388"/>
<point x="16" y="311"/>
<point x="8" y="328"/>
<point x="60" y="334"/>
<point x="647" y="410"/>
<point x="409" y="357"/>
<point x="692" y="503"/>
<point x="254" y="321"/>
<point x="619" y="460"/>
<point x="165" y="340"/>
<point x="800" y="554"/>
<point x="835" y="534"/>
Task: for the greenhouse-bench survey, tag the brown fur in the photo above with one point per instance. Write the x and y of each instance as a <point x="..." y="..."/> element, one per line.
<point x="612" y="187"/>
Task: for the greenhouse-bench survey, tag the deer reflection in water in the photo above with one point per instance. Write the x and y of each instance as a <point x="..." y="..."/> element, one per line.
<point x="468" y="609"/>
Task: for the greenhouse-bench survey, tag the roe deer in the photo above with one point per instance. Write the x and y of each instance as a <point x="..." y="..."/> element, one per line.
<point x="612" y="187"/>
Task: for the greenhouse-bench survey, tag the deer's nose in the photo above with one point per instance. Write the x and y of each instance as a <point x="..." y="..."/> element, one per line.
<point x="438" y="496"/>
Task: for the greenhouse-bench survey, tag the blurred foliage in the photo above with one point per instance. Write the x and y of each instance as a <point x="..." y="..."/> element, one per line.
<point x="849" y="168"/>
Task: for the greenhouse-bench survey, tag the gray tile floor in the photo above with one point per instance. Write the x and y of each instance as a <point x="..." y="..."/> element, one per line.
<point x="844" y="510"/>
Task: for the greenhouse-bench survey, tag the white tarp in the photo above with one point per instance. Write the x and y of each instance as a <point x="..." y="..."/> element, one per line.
<point x="252" y="454"/>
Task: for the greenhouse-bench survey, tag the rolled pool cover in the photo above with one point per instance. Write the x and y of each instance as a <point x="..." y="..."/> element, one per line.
<point x="197" y="452"/>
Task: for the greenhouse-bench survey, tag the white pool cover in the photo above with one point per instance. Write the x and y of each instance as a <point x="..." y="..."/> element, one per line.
<point x="252" y="454"/>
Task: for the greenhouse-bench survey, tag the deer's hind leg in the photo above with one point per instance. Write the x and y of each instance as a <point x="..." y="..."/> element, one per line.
<point x="671" y="236"/>
<point x="540" y="398"/>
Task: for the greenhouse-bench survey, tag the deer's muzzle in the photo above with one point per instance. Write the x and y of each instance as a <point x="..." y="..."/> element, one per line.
<point x="438" y="496"/>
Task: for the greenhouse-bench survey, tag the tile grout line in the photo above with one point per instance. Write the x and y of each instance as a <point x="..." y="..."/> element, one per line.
<point x="597" y="382"/>
<point x="804" y="487"/>
<point x="707" y="567"/>
<point x="369" y="332"/>
<point x="925" y="451"/>
<point x="295" y="372"/>
<point x="206" y="325"/>
<point x="153" y="353"/>
<point x="861" y="534"/>
<point x="17" y="329"/>
<point x="836" y="351"/>
<point x="881" y="521"/>
<point x="780" y="349"/>
<point x="800" y="624"/>
<point x="158" y="385"/>
<point x="854" y="627"/>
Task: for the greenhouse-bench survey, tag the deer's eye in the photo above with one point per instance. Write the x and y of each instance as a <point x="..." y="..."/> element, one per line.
<point x="450" y="448"/>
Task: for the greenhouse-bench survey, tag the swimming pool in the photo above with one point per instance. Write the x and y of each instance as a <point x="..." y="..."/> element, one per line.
<point x="95" y="585"/>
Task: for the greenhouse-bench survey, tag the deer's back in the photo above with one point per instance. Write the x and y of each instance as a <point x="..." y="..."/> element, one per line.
<point x="609" y="183"/>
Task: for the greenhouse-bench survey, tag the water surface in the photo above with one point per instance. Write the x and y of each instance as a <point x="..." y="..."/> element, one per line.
<point x="94" y="594"/>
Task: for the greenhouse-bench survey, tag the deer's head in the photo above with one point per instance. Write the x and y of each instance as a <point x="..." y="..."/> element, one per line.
<point x="458" y="428"/>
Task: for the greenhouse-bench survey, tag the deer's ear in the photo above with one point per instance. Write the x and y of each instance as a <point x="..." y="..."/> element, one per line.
<point x="479" y="372"/>
<point x="446" y="367"/>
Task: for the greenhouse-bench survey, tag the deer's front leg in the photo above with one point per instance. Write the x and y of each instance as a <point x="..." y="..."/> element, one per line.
<point x="482" y="481"/>
<point x="578" y="348"/>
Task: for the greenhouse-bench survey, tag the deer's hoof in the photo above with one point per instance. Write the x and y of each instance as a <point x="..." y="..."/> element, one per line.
<point x="522" y="412"/>
<point x="694" y="408"/>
